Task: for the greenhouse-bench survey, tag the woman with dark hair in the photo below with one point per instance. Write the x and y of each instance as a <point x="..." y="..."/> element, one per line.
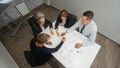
<point x="61" y="20"/>
<point x="64" y="19"/>
<point x="41" y="52"/>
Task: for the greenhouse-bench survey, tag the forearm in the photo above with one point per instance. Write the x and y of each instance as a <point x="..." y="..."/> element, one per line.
<point x="73" y="27"/>
<point x="56" y="25"/>
<point x="88" y="44"/>
<point x="51" y="50"/>
<point x="57" y="22"/>
<point x="91" y="38"/>
<point x="50" y="25"/>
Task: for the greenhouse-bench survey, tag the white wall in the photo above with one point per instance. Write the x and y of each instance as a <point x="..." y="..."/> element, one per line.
<point x="107" y="14"/>
<point x="47" y="2"/>
<point x="6" y="61"/>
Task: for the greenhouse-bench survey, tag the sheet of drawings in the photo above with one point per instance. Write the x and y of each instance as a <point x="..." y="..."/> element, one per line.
<point x="68" y="55"/>
<point x="54" y="38"/>
<point x="65" y="52"/>
<point x="68" y="52"/>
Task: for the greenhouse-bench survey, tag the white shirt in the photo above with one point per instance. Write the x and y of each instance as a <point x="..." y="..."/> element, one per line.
<point x="90" y="31"/>
<point x="42" y="27"/>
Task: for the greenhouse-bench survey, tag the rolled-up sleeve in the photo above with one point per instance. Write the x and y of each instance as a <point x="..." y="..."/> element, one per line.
<point x="92" y="38"/>
<point x="73" y="27"/>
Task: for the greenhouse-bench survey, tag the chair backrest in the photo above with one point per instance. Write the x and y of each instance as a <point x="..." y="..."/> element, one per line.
<point x="72" y="15"/>
<point x="31" y="20"/>
<point x="74" y="18"/>
<point x="32" y="61"/>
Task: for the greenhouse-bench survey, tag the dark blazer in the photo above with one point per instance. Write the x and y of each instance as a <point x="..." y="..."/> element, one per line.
<point x="71" y="19"/>
<point x="36" y="28"/>
<point x="42" y="53"/>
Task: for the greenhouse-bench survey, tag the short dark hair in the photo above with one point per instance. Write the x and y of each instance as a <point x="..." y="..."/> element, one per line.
<point x="88" y="14"/>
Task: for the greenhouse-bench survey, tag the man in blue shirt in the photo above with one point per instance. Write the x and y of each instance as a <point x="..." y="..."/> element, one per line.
<point x="87" y="27"/>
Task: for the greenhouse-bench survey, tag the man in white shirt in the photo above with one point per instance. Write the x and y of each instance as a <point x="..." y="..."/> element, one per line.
<point x="87" y="27"/>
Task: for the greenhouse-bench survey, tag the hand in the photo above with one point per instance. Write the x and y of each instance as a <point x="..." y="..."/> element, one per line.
<point x="63" y="39"/>
<point x="49" y="43"/>
<point x="52" y="31"/>
<point x="57" y="32"/>
<point x="78" y="45"/>
<point x="61" y="24"/>
<point x="64" y="33"/>
<point x="63" y="18"/>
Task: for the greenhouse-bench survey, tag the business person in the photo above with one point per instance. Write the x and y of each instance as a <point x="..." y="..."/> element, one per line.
<point x="40" y="24"/>
<point x="64" y="19"/>
<point x="87" y="27"/>
<point x="41" y="52"/>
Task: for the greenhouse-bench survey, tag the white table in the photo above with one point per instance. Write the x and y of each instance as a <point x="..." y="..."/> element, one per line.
<point x="68" y="55"/>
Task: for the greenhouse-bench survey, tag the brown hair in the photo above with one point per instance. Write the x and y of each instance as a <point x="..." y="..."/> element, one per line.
<point x="88" y="14"/>
<point x="64" y="13"/>
<point x="42" y="38"/>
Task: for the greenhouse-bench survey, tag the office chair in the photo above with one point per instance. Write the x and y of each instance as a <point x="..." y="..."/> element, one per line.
<point x="32" y="61"/>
